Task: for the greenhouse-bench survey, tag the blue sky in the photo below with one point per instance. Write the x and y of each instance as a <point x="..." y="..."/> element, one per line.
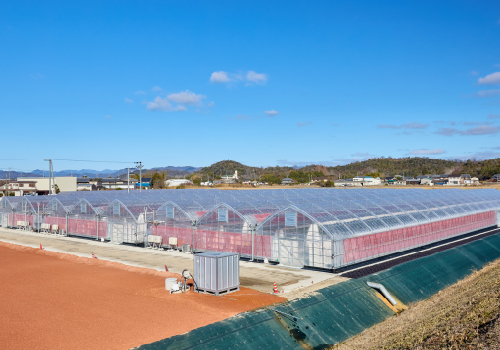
<point x="261" y="82"/>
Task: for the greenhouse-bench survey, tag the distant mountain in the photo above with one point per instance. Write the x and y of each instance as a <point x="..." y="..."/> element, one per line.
<point x="172" y="171"/>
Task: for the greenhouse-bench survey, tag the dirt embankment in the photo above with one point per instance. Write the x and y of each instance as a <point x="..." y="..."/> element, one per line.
<point x="462" y="316"/>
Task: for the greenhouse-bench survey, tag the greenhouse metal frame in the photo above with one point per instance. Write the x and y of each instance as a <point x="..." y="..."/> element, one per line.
<point x="322" y="228"/>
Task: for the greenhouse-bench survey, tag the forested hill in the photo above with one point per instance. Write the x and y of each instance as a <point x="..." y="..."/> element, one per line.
<point x="484" y="169"/>
<point x="397" y="166"/>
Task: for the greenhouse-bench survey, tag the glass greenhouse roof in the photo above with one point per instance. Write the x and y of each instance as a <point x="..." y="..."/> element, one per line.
<point x="341" y="212"/>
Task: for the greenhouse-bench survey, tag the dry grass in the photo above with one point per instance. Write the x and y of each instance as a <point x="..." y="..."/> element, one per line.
<point x="462" y="316"/>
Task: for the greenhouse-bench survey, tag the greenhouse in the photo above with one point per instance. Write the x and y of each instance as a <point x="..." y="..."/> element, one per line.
<point x="322" y="228"/>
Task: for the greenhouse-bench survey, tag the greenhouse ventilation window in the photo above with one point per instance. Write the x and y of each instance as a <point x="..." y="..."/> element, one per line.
<point x="222" y="217"/>
<point x="116" y="209"/>
<point x="170" y="212"/>
<point x="24" y="206"/>
<point x="54" y="206"/>
<point x="84" y="207"/>
<point x="291" y="219"/>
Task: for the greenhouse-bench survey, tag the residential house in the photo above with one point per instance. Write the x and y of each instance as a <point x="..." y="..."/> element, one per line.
<point x="19" y="188"/>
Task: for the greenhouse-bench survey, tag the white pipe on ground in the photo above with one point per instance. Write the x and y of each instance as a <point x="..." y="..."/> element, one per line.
<point x="382" y="290"/>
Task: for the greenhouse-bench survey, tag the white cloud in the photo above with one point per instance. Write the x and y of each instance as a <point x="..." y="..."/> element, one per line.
<point x="304" y="124"/>
<point x="482" y="130"/>
<point x="108" y="117"/>
<point x="128" y="100"/>
<point x="490" y="79"/>
<point x="140" y="93"/>
<point x="477" y="123"/>
<point x="493" y="116"/>
<point x="186" y="98"/>
<point x="271" y="113"/>
<point x="257" y="78"/>
<point x="413" y="125"/>
<point x="211" y="104"/>
<point x="427" y="152"/>
<point x="479" y="130"/>
<point x="219" y="77"/>
<point x="488" y="93"/>
<point x="156" y="89"/>
<point x="250" y="77"/>
<point x="161" y="104"/>
<point x="474" y="73"/>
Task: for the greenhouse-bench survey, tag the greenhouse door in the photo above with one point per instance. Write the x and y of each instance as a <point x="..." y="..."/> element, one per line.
<point x="116" y="233"/>
<point x="291" y="252"/>
<point x="4" y="220"/>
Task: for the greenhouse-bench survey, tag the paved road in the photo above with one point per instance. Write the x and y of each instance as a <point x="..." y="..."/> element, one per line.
<point x="252" y="275"/>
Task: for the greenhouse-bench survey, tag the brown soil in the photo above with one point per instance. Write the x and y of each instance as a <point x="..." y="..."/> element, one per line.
<point x="60" y="301"/>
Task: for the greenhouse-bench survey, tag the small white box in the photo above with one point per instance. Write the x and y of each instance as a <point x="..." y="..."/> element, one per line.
<point x="172" y="241"/>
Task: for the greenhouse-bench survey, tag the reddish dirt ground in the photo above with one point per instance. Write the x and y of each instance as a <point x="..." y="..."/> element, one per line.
<point x="61" y="301"/>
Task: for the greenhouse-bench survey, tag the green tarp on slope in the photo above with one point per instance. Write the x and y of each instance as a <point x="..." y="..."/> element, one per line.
<point x="336" y="313"/>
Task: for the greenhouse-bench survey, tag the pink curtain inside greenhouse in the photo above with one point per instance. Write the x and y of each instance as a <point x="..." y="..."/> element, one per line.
<point x="183" y="235"/>
<point x="61" y="222"/>
<point x="233" y="242"/>
<point x="215" y="240"/>
<point x="20" y="217"/>
<point x="88" y="228"/>
<point x="391" y="241"/>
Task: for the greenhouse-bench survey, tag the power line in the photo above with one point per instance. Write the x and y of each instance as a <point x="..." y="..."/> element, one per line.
<point x="93" y="161"/>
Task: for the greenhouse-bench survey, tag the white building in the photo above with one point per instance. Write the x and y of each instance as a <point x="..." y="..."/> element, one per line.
<point x="177" y="182"/>
<point x="64" y="183"/>
<point x="230" y="178"/>
<point x="19" y="188"/>
<point x="454" y="180"/>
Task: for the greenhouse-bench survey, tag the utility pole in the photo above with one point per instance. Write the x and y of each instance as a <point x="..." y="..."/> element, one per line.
<point x="140" y="174"/>
<point x="50" y="174"/>
<point x="128" y="180"/>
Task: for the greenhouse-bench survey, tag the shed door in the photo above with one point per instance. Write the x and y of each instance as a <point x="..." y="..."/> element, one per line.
<point x="291" y="252"/>
<point x="4" y="219"/>
<point x="116" y="233"/>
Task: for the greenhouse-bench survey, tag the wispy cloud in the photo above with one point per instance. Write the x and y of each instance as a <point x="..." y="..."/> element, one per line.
<point x="303" y="123"/>
<point x="140" y="93"/>
<point x="477" y="123"/>
<point x="128" y="100"/>
<point x="413" y="126"/>
<point x="477" y="131"/>
<point x="257" y="78"/>
<point x="271" y="113"/>
<point x="490" y="79"/>
<point x="249" y="77"/>
<point x="479" y="155"/>
<point x="335" y="124"/>
<point x="493" y="116"/>
<point x="156" y="89"/>
<point x="186" y="98"/>
<point x="162" y="104"/>
<point x="220" y="77"/>
<point x="426" y="152"/>
<point x="108" y="117"/>
<point x="488" y="93"/>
